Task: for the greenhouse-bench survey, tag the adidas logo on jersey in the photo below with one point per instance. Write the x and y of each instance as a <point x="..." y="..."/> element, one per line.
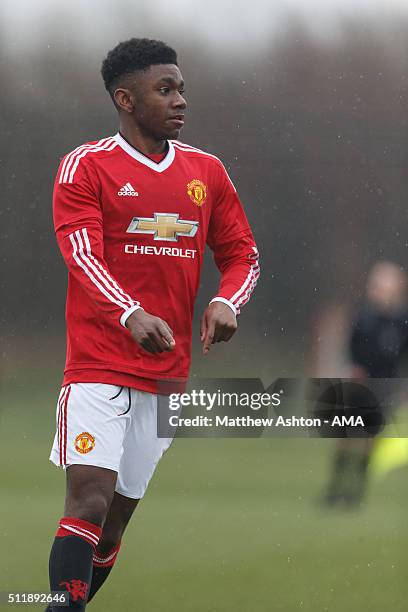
<point x="127" y="190"/>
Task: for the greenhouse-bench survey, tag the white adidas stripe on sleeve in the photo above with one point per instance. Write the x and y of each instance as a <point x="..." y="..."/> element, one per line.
<point x="241" y="297"/>
<point x="72" y="160"/>
<point x="108" y="146"/>
<point x="97" y="274"/>
<point x="109" y="278"/>
<point x="245" y="296"/>
<point x="69" y="158"/>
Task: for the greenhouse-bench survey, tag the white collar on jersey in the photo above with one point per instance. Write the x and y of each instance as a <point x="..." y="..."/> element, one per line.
<point x="158" y="167"/>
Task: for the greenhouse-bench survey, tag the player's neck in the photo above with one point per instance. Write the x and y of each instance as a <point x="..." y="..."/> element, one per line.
<point x="143" y="143"/>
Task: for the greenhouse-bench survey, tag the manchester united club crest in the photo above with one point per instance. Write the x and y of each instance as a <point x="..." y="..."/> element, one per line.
<point x="197" y="191"/>
<point x="77" y="588"/>
<point x="84" y="443"/>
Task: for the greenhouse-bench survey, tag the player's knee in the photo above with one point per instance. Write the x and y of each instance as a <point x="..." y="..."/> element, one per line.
<point x="97" y="506"/>
<point x="92" y="507"/>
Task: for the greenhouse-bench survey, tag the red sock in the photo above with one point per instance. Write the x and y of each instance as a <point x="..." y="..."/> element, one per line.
<point x="71" y="526"/>
<point x="106" y="560"/>
<point x="102" y="565"/>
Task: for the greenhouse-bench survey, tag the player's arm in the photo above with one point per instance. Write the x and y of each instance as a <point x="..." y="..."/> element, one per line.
<point x="79" y="231"/>
<point x="236" y="256"/>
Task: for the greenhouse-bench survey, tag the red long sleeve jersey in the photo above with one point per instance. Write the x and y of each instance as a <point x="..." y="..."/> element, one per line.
<point x="132" y="232"/>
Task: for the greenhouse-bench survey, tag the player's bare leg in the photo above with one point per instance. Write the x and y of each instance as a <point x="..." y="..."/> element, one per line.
<point x="90" y="492"/>
<point x="119" y="514"/>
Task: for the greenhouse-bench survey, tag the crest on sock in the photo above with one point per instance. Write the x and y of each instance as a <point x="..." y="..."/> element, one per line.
<point x="77" y="588"/>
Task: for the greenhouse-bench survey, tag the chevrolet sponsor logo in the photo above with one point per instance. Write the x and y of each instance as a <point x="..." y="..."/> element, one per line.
<point x="151" y="249"/>
<point x="164" y="226"/>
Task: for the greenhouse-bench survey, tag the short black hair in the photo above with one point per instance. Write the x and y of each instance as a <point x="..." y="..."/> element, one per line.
<point x="133" y="55"/>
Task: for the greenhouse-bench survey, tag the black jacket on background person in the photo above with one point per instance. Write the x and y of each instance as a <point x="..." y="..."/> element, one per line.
<point x="378" y="340"/>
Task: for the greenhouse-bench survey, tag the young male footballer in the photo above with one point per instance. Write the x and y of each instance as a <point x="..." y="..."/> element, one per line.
<point x="133" y="213"/>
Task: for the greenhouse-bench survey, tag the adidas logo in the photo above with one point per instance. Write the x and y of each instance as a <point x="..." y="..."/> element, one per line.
<point x="127" y="190"/>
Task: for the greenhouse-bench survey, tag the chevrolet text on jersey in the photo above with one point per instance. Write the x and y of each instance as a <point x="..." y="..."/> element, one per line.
<point x="154" y="250"/>
<point x="119" y="246"/>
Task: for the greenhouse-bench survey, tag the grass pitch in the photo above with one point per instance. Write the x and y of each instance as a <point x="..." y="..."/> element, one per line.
<point x="227" y="525"/>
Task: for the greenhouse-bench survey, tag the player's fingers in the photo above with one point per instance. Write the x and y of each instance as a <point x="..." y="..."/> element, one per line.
<point x="166" y="339"/>
<point x="227" y="334"/>
<point x="203" y="327"/>
<point x="157" y="340"/>
<point x="149" y="346"/>
<point x="168" y="327"/>
<point x="143" y="341"/>
<point x="208" y="336"/>
<point x="218" y="333"/>
<point x="169" y="344"/>
<point x="154" y="340"/>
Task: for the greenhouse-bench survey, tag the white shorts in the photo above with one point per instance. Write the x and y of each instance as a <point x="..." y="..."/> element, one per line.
<point x="110" y="427"/>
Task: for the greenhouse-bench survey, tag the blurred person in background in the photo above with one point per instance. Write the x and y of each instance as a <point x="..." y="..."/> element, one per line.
<point x="377" y="343"/>
<point x="133" y="214"/>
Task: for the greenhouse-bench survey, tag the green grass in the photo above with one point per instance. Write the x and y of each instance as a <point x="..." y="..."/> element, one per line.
<point x="226" y="525"/>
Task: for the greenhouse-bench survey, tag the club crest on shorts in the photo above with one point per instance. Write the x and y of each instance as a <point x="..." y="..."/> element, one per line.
<point x="84" y="443"/>
<point x="197" y="191"/>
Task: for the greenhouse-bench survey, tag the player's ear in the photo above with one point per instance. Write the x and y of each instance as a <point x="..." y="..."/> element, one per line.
<point x="124" y="100"/>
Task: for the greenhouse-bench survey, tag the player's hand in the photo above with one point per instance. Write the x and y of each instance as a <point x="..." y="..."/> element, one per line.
<point x="152" y="333"/>
<point x="218" y="324"/>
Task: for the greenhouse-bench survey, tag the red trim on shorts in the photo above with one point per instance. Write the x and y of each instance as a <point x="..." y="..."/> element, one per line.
<point x="59" y="427"/>
<point x="65" y="423"/>
<point x="59" y="421"/>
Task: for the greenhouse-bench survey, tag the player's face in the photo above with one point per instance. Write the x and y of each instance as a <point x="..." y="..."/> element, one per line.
<point x="159" y="103"/>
